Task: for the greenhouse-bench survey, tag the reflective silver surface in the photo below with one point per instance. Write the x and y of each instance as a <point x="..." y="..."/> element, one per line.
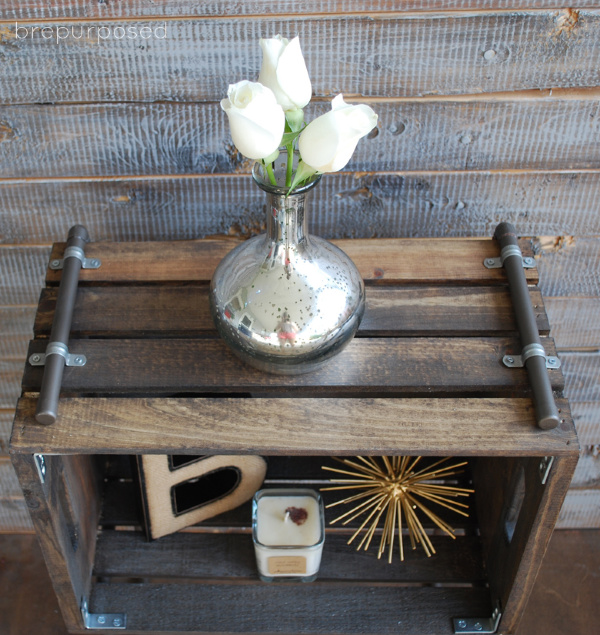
<point x="285" y="301"/>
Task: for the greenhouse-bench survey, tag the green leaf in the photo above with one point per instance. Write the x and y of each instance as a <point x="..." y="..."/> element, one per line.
<point x="303" y="173"/>
<point x="289" y="137"/>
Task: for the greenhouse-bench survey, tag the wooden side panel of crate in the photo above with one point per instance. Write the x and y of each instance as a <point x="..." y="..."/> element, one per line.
<point x="510" y="552"/>
<point x="64" y="508"/>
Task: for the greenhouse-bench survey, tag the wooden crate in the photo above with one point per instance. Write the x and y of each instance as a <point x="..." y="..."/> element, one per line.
<point x="424" y="377"/>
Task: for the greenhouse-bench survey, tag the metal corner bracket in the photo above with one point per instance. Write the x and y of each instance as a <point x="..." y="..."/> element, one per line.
<point x="472" y="625"/>
<point x="102" y="620"/>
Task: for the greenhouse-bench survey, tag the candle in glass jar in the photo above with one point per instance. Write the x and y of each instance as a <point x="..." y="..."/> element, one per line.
<point x="288" y="530"/>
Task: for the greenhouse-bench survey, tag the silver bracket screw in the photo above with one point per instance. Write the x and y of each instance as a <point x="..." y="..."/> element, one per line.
<point x="102" y="620"/>
<point x="86" y="263"/>
<point x="475" y="625"/>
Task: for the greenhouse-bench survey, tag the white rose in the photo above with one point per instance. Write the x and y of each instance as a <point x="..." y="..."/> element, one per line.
<point x="256" y="120"/>
<point x="284" y="72"/>
<point x="327" y="143"/>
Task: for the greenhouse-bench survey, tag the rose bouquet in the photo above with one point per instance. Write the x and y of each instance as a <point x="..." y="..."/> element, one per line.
<point x="267" y="116"/>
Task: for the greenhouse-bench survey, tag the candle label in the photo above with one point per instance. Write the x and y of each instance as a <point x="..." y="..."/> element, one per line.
<point x="287" y="565"/>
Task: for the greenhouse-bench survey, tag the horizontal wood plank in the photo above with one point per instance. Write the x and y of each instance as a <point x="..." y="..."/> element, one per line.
<point x="16" y="326"/>
<point x="570" y="265"/>
<point x="586" y="416"/>
<point x="185" y="555"/>
<point x="129" y="9"/>
<point x="22" y="271"/>
<point x="14" y="515"/>
<point x="443" y="427"/>
<point x="440" y="366"/>
<point x="166" y="139"/>
<point x="438" y="204"/>
<point x="183" y="311"/>
<point x="11" y="371"/>
<point x="316" y="608"/>
<point x="575" y="321"/>
<point x="6" y="419"/>
<point x="121" y="506"/>
<point x="587" y="472"/>
<point x="582" y="375"/>
<point x="379" y="261"/>
<point x="195" y="60"/>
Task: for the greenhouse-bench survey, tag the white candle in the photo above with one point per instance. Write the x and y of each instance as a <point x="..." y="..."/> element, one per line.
<point x="288" y="533"/>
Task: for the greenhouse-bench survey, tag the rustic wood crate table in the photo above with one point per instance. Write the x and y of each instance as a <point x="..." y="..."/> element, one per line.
<point x="424" y="377"/>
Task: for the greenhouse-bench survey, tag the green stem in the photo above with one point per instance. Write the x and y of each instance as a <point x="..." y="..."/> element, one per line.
<point x="269" y="168"/>
<point x="290" y="165"/>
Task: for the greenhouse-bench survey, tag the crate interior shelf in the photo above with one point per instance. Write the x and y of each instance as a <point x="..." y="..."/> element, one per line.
<point x="424" y="377"/>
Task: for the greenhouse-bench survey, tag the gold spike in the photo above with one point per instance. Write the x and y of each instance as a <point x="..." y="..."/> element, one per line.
<point x="388" y="488"/>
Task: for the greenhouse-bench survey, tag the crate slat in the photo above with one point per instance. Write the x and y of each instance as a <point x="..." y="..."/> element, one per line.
<point x="404" y="365"/>
<point x="127" y="554"/>
<point x="135" y="311"/>
<point x="389" y="261"/>
<point x="315" y="608"/>
<point x="328" y="426"/>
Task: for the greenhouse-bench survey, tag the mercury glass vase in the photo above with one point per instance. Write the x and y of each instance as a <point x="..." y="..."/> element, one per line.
<point x="286" y="301"/>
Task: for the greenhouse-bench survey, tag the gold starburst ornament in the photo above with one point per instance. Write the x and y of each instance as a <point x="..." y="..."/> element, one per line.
<point x="392" y="490"/>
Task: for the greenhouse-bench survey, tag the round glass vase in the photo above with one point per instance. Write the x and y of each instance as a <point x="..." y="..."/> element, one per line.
<point x="285" y="301"/>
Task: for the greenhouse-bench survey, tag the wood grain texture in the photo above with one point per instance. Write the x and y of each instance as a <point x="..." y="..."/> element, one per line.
<point x="89" y="9"/>
<point x="166" y="139"/>
<point x="56" y="541"/>
<point x="587" y="472"/>
<point x="540" y="511"/>
<point x="333" y="608"/>
<point x="365" y="55"/>
<point x="22" y="271"/>
<point x="582" y="375"/>
<point x="15" y="330"/>
<point x="121" y="507"/>
<point x="6" y="420"/>
<point x="586" y="416"/>
<point x="128" y="554"/>
<point x="465" y="427"/>
<point x="580" y="509"/>
<point x="570" y="265"/>
<point x="11" y="371"/>
<point x="433" y="366"/>
<point x="14" y="516"/>
<point x="380" y="261"/>
<point x="438" y="204"/>
<point x="132" y="311"/>
<point x="575" y="321"/>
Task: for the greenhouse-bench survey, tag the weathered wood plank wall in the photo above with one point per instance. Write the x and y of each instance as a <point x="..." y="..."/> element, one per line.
<point x="489" y="111"/>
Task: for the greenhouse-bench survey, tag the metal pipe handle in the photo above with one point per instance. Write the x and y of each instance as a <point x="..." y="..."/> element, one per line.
<point x="47" y="406"/>
<point x="546" y="413"/>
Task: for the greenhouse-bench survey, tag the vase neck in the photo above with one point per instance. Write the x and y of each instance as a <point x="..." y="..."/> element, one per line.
<point x="287" y="218"/>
